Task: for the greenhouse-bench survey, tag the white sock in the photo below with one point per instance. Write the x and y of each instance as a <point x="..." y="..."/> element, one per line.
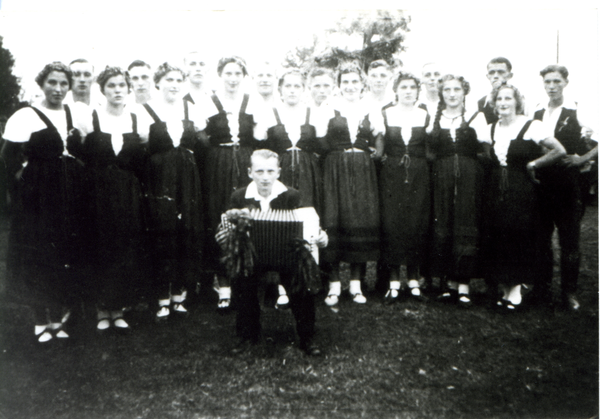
<point x="463" y="289"/>
<point x="335" y="288"/>
<point x="178" y="299"/>
<point x="224" y="293"/>
<point x="355" y="286"/>
<point x="395" y="285"/>
<point x="164" y="303"/>
<point x="514" y="294"/>
<point x="281" y="290"/>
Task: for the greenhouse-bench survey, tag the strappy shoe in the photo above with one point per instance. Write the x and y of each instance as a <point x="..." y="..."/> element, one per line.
<point x="359" y="298"/>
<point x="332" y="300"/>
<point x="163" y="314"/>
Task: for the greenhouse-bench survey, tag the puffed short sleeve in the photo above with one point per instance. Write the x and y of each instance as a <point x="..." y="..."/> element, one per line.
<point x="481" y="127"/>
<point x="21" y="125"/>
<point x="536" y="132"/>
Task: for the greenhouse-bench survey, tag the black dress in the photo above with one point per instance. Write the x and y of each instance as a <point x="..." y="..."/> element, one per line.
<point x="116" y="214"/>
<point x="457" y="190"/>
<point x="512" y="238"/>
<point x="299" y="163"/>
<point x="350" y="194"/>
<point x="226" y="170"/>
<point x="48" y="236"/>
<point x="174" y="203"/>
<point x="405" y="197"/>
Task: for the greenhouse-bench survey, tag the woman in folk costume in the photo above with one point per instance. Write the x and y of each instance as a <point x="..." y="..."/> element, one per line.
<point x="172" y="187"/>
<point x="404" y="186"/>
<point x="113" y="153"/>
<point x="457" y="191"/>
<point x="294" y="139"/>
<point x="350" y="195"/>
<point x="513" y="240"/>
<point x="48" y="229"/>
<point x="230" y="129"/>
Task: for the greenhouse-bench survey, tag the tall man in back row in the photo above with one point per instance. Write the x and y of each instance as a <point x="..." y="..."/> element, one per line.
<point x="560" y="195"/>
<point x="265" y="192"/>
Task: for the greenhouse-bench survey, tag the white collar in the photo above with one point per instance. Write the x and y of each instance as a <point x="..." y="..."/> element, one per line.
<point x="567" y="104"/>
<point x="252" y="191"/>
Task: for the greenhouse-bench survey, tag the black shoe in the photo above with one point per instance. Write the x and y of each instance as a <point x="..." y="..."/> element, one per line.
<point x="311" y="349"/>
<point x="449" y="296"/>
<point x="571" y="303"/>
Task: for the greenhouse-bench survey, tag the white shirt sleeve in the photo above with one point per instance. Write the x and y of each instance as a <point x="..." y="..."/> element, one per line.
<point x="482" y="128"/>
<point x="536" y="132"/>
<point x="21" y="125"/>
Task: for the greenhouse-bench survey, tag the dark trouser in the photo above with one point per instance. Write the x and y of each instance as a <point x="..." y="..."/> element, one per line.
<point x="561" y="207"/>
<point x="245" y="292"/>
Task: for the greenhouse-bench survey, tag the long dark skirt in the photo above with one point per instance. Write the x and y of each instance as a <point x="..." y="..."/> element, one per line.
<point x="226" y="170"/>
<point x="351" y="208"/>
<point x="405" y="196"/>
<point x="457" y="206"/>
<point x="512" y="239"/>
<point x="49" y="235"/>
<point x="175" y="220"/>
<point x="117" y="220"/>
<point x="300" y="170"/>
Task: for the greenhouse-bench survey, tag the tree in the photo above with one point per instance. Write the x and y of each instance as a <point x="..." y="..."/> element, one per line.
<point x="9" y="84"/>
<point x="361" y="36"/>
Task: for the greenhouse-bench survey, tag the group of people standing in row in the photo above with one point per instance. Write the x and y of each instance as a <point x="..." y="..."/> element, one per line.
<point x="106" y="192"/>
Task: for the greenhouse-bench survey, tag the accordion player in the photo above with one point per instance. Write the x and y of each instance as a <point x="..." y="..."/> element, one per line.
<point x="264" y="197"/>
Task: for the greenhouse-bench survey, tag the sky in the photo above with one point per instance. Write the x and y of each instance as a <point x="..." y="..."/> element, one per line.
<point x="462" y="36"/>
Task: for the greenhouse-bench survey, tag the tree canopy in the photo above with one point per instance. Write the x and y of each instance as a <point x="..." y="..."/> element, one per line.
<point x="9" y="84"/>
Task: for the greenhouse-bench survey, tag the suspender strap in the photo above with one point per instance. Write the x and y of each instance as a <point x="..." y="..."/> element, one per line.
<point x="244" y="103"/>
<point x="524" y="130"/>
<point x="427" y="120"/>
<point x="492" y="133"/>
<point x="69" y="118"/>
<point x="186" y="111"/>
<point x="337" y="114"/>
<point x="43" y="117"/>
<point x="152" y="113"/>
<point x="95" y="121"/>
<point x="307" y="115"/>
<point x="473" y="117"/>
<point x="385" y="120"/>
<point x="217" y="103"/>
<point x="277" y="116"/>
<point x="133" y="123"/>
<point x="188" y="98"/>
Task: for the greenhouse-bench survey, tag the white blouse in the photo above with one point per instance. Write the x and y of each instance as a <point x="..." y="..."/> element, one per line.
<point x="397" y="117"/>
<point x="25" y="122"/>
<point x="116" y="126"/>
<point x="173" y="115"/>
<point x="503" y="135"/>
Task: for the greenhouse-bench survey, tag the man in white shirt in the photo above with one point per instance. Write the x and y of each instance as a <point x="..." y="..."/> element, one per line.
<point x="561" y="204"/>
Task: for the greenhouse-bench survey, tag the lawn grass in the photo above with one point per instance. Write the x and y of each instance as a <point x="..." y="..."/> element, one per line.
<point x="409" y="360"/>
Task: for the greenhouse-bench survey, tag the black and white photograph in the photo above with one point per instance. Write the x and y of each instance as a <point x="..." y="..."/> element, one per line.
<point x="305" y="210"/>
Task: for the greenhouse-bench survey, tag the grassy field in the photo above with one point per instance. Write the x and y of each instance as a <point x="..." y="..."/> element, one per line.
<point x="409" y="360"/>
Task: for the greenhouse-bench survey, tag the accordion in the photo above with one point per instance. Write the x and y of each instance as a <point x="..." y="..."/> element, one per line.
<point x="274" y="233"/>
